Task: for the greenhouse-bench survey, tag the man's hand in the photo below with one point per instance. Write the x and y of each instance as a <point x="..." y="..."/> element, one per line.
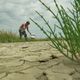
<point x="30" y="33"/>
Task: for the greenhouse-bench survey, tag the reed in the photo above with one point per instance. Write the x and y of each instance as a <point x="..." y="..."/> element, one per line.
<point x="69" y="25"/>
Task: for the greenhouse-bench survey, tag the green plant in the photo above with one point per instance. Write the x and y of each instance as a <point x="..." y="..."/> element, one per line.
<point x="69" y="25"/>
<point x="6" y="36"/>
<point x="9" y="37"/>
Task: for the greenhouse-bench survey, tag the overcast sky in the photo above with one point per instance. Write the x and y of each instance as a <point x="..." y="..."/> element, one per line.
<point x="14" y="12"/>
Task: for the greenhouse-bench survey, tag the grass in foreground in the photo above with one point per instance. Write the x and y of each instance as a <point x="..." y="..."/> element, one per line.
<point x="69" y="25"/>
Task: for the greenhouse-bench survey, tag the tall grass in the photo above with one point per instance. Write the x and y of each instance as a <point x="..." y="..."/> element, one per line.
<point x="9" y="37"/>
<point x="69" y="25"/>
<point x="6" y="36"/>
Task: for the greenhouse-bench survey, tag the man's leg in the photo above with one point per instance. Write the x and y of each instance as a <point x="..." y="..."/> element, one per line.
<point x="25" y="35"/>
<point x="20" y="33"/>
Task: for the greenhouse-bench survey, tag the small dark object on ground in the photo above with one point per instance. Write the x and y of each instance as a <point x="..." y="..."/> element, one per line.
<point x="43" y="76"/>
<point x="44" y="73"/>
<point x="42" y="61"/>
<point x="24" y="47"/>
<point x="71" y="73"/>
<point x="53" y="57"/>
<point x="46" y="60"/>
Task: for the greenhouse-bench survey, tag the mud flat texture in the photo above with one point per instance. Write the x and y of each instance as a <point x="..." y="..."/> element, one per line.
<point x="35" y="61"/>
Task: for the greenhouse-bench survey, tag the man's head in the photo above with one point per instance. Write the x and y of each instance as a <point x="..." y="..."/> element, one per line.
<point x="27" y="22"/>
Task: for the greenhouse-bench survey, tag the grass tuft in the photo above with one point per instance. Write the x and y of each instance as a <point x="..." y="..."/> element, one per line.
<point x="9" y="37"/>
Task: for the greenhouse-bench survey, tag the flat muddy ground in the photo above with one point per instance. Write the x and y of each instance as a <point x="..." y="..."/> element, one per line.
<point x="35" y="61"/>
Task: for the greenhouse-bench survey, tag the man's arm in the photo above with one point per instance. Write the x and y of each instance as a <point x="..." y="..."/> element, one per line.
<point x="28" y="30"/>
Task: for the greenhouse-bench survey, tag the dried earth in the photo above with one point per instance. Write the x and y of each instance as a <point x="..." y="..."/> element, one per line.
<point x="35" y="61"/>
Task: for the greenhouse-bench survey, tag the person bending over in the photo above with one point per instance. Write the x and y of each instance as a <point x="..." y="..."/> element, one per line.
<point x="23" y="28"/>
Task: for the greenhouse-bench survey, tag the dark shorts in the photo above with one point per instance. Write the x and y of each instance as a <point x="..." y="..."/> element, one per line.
<point x="22" y="33"/>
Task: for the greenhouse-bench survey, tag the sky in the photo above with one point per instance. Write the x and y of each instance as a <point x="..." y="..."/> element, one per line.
<point x="15" y="12"/>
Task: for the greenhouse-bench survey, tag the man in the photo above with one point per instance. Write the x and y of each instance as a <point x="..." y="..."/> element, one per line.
<point x="22" y="30"/>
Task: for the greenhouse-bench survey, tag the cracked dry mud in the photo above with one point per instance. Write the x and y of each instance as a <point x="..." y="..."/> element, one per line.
<point x="35" y="61"/>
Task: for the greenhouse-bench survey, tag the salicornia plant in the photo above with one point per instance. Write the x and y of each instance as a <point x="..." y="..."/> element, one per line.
<point x="68" y="40"/>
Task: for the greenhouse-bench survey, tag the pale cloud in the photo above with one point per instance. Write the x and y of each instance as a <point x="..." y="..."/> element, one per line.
<point x="14" y="12"/>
